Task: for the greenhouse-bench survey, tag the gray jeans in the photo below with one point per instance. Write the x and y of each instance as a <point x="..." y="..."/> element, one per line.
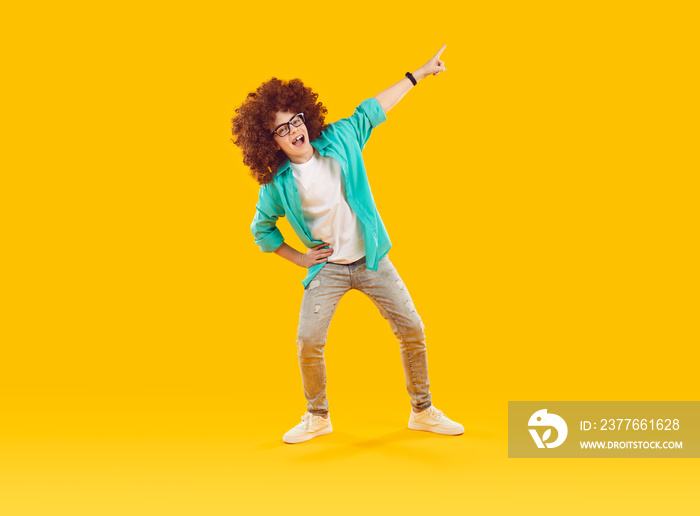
<point x="385" y="288"/>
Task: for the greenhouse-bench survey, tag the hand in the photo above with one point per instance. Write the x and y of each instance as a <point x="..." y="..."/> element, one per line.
<point x="316" y="255"/>
<point x="433" y="67"/>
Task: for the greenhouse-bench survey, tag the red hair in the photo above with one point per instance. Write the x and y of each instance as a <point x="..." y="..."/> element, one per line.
<point x="251" y="127"/>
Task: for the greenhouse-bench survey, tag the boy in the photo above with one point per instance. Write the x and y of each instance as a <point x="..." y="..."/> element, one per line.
<point x="313" y="174"/>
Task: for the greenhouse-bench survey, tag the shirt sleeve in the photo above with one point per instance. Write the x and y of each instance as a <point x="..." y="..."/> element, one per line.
<point x="264" y="226"/>
<point x="366" y="117"/>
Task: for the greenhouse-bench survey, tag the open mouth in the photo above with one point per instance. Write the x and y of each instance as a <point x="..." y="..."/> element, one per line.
<point x="299" y="141"/>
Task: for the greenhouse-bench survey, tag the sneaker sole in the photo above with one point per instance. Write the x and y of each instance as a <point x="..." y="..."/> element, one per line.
<point x="308" y="437"/>
<point x="435" y="430"/>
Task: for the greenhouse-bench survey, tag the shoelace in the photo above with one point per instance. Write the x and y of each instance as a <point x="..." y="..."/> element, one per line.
<point x="437" y="414"/>
<point x="307" y="419"/>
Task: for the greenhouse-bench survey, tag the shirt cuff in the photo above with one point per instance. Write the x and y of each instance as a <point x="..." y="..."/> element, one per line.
<point x="374" y="111"/>
<point x="271" y="242"/>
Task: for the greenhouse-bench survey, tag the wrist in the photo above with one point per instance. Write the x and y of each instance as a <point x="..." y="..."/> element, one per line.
<point x="419" y="74"/>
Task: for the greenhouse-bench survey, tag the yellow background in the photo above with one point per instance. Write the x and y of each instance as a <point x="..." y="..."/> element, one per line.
<point x="541" y="196"/>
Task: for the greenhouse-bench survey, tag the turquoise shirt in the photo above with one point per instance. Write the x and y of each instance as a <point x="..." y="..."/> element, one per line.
<point x="342" y="140"/>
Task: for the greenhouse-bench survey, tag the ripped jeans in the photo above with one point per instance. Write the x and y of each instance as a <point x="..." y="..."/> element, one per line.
<point x="385" y="288"/>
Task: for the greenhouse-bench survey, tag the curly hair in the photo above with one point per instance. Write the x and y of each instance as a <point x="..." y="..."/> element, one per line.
<point x="251" y="125"/>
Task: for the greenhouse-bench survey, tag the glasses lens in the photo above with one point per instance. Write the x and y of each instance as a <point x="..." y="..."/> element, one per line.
<point x="297" y="120"/>
<point x="282" y="130"/>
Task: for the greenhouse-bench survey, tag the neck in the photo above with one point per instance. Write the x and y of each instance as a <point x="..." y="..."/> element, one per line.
<point x="300" y="160"/>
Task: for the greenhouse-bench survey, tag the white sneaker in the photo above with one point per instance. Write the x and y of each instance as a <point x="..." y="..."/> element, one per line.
<point x="433" y="420"/>
<point x="311" y="426"/>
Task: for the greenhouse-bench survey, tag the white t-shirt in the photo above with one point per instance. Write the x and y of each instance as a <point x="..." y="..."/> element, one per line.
<point x="325" y="207"/>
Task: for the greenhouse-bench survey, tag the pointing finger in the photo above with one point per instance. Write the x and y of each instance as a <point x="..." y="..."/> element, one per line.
<point x="442" y="49"/>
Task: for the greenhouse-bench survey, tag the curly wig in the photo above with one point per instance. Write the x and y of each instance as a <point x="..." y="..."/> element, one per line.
<point x="251" y="125"/>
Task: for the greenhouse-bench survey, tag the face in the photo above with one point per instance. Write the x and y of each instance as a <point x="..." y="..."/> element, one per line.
<point x="298" y="150"/>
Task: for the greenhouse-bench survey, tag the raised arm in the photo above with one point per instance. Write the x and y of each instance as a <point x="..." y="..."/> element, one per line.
<point x="390" y="97"/>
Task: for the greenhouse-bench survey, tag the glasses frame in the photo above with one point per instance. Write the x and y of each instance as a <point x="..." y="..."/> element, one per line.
<point x="289" y="124"/>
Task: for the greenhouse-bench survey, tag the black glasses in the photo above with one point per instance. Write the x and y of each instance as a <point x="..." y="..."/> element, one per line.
<point x="283" y="129"/>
